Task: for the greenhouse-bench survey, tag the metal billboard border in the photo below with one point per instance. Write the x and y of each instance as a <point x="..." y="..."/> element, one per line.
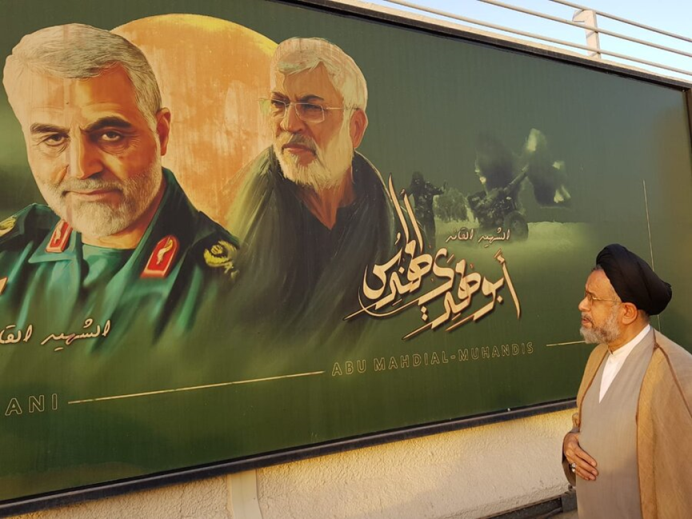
<point x="139" y="483"/>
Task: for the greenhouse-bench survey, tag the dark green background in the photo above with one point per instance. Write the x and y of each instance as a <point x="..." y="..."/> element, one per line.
<point x="430" y="97"/>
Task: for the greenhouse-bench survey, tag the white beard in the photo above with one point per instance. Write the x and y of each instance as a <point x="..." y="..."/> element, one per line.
<point x="328" y="167"/>
<point x="98" y="219"/>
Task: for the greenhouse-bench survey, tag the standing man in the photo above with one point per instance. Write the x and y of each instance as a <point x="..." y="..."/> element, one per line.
<point x="631" y="444"/>
<point x="314" y="213"/>
<point x="118" y="242"/>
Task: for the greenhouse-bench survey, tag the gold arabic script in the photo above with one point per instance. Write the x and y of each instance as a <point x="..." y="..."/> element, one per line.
<point x="465" y="234"/>
<point x="406" y="271"/>
<point x="69" y="338"/>
<point x="14" y="335"/>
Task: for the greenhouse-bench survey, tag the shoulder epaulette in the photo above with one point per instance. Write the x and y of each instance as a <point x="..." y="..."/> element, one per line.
<point x="8" y="225"/>
<point x="217" y="251"/>
<point x="32" y="222"/>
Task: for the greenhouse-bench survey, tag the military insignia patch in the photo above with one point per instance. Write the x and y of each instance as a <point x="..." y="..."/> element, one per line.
<point x="162" y="258"/>
<point x="220" y="255"/>
<point x="3" y="284"/>
<point x="60" y="237"/>
<point x="7" y="225"/>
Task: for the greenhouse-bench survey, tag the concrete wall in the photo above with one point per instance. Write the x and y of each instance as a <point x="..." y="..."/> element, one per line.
<point x="463" y="474"/>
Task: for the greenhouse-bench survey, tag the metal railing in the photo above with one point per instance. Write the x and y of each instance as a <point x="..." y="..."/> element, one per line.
<point x="623" y="20"/>
<point x="584" y="18"/>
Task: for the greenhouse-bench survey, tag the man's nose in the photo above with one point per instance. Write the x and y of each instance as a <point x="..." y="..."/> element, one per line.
<point x="583" y="305"/>
<point x="290" y="122"/>
<point x="85" y="158"/>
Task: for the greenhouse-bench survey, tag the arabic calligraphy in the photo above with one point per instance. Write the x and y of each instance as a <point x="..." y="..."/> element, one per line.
<point x="15" y="336"/>
<point x="501" y="236"/>
<point x="406" y="271"/>
<point x="72" y="337"/>
<point x="465" y="234"/>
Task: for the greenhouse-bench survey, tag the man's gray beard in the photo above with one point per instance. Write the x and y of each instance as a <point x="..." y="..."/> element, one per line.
<point x="606" y="334"/>
<point x="327" y="169"/>
<point x="98" y="220"/>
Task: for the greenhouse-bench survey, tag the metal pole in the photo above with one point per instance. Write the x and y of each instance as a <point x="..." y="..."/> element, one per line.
<point x="588" y="17"/>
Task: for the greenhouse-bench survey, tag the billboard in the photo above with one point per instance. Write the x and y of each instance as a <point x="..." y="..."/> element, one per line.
<point x="232" y="232"/>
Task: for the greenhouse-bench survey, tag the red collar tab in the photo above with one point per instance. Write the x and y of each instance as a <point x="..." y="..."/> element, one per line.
<point x="60" y="237"/>
<point x="162" y="258"/>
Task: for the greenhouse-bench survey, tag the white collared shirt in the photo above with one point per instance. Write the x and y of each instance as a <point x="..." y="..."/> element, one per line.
<point x="616" y="359"/>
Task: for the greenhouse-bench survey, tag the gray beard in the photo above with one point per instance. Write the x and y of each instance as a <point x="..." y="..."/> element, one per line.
<point x="606" y="334"/>
<point x="329" y="166"/>
<point x="99" y="220"/>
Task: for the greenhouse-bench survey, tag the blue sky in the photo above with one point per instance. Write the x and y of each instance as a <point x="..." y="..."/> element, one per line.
<point x="669" y="15"/>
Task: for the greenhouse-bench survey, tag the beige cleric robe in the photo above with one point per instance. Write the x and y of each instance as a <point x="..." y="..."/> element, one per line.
<point x="664" y="429"/>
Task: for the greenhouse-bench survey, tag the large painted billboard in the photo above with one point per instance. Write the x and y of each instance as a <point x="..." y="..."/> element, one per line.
<point x="235" y="229"/>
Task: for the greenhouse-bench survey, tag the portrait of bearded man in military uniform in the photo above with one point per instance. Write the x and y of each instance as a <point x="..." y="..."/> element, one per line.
<point x="118" y="240"/>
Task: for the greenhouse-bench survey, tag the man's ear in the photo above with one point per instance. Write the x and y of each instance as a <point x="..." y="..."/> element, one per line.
<point x="359" y="122"/>
<point x="163" y="128"/>
<point x="631" y="313"/>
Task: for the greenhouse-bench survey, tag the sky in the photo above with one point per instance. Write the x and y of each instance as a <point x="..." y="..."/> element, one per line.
<point x="673" y="16"/>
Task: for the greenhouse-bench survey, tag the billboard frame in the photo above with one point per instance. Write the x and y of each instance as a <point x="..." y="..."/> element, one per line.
<point x="140" y="483"/>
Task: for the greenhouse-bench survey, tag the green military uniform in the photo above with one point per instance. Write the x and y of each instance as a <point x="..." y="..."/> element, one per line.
<point x="51" y="281"/>
<point x="79" y="322"/>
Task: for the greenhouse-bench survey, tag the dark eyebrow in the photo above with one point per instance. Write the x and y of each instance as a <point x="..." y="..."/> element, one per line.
<point x="305" y="99"/>
<point x="46" y="128"/>
<point x="108" y="122"/>
<point x="310" y="98"/>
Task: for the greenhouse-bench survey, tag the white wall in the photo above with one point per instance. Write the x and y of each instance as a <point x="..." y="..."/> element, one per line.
<point x="462" y="474"/>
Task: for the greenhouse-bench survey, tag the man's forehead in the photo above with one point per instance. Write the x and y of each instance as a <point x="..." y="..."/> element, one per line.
<point x="46" y="98"/>
<point x="307" y="83"/>
<point x="41" y="93"/>
<point x="598" y="282"/>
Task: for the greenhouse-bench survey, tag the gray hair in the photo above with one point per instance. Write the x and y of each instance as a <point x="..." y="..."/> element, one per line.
<point x="299" y="54"/>
<point x="77" y="51"/>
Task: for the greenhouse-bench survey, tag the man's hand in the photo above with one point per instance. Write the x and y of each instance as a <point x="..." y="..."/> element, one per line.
<point x="582" y="464"/>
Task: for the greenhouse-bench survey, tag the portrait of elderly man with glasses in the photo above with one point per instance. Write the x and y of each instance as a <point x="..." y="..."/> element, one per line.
<point x="313" y="212"/>
<point x="630" y="449"/>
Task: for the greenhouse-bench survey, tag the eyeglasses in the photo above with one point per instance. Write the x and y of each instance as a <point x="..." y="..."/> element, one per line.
<point x="591" y="299"/>
<point x="306" y="112"/>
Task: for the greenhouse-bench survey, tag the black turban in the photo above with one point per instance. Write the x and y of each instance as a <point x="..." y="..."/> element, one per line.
<point x="633" y="280"/>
